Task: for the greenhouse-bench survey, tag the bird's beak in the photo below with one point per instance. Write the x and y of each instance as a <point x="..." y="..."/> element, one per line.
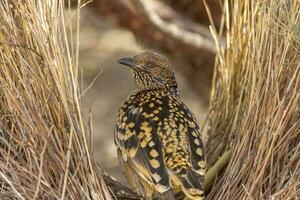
<point x="128" y="62"/>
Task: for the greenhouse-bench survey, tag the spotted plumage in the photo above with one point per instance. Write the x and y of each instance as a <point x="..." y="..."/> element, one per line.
<point x="158" y="138"/>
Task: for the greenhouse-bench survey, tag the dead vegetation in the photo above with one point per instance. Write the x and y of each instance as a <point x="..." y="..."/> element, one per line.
<point x="255" y="102"/>
<point x="254" y="108"/>
<point x="44" y="148"/>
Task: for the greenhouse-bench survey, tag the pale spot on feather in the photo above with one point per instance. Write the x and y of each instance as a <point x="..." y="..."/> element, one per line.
<point x="141" y="135"/>
<point x="123" y="125"/>
<point x="143" y="143"/>
<point x="194" y="133"/>
<point x="151" y="105"/>
<point x="134" y="111"/>
<point x="128" y="134"/>
<point x="161" y="188"/>
<point x="199" y="151"/>
<point x="202" y="164"/>
<point x="145" y="124"/>
<point x="155" y="118"/>
<point x="192" y="124"/>
<point x="151" y="144"/>
<point x="197" y="142"/>
<point x="145" y="127"/>
<point x="130" y="125"/>
<point x="148" y="138"/>
<point x="154" y="163"/>
<point x="201" y="172"/>
<point x="156" y="177"/>
<point x="154" y="153"/>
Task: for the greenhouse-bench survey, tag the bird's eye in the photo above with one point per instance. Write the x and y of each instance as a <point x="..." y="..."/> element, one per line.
<point x="151" y="65"/>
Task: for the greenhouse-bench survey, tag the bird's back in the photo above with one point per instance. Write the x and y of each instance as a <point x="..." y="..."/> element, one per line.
<point x="159" y="141"/>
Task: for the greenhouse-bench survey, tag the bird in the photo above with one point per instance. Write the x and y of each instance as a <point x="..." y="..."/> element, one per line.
<point x="158" y="139"/>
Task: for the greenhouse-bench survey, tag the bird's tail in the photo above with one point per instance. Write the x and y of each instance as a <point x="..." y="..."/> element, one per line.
<point x="191" y="183"/>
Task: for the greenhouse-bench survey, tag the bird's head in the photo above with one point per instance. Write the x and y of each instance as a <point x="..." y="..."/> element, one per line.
<point x="151" y="71"/>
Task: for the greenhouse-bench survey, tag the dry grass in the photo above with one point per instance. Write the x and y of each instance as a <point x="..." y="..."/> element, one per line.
<point x="255" y="105"/>
<point x="44" y="153"/>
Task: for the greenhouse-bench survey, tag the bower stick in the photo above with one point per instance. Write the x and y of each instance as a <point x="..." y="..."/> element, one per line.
<point x="216" y="169"/>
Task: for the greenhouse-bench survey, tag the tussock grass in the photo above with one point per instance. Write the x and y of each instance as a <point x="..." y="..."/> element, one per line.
<point x="44" y="149"/>
<point x="255" y="104"/>
<point x="254" y="111"/>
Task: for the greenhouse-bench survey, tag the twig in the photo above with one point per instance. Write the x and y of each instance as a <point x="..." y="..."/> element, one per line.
<point x="176" y="28"/>
<point x="216" y="169"/>
<point x="12" y="186"/>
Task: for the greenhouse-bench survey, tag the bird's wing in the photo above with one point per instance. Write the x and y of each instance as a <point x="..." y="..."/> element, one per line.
<point x="196" y="145"/>
<point x="191" y="176"/>
<point x="140" y="146"/>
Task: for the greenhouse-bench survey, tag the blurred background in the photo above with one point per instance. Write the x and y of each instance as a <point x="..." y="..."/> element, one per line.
<point x="112" y="29"/>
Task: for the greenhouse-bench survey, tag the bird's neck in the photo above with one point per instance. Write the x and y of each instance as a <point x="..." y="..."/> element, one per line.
<point x="172" y="90"/>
